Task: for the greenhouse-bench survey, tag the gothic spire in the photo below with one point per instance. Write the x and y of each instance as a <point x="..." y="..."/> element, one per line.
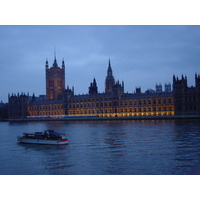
<point x="47" y="65"/>
<point x="55" y="61"/>
<point x="109" y="82"/>
<point x="94" y="83"/>
<point x="54" y="52"/>
<point x="63" y="63"/>
<point x="109" y="71"/>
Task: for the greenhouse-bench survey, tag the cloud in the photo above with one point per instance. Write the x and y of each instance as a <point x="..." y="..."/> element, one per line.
<point x="140" y="55"/>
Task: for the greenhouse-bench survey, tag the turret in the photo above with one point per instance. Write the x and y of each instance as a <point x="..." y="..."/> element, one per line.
<point x="68" y="93"/>
<point x="138" y="90"/>
<point x="168" y="87"/>
<point x="55" y="64"/>
<point x="118" y="89"/>
<point x="93" y="87"/>
<point x="47" y="64"/>
<point x="179" y="85"/>
<point x="63" y="64"/>
<point x="33" y="97"/>
<point x="159" y="88"/>
<point x="197" y="82"/>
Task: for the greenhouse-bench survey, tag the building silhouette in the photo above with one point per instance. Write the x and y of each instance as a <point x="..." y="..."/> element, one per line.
<point x="110" y="81"/>
<point x="3" y="111"/>
<point x="18" y="106"/>
<point x="61" y="101"/>
<point x="55" y="81"/>
<point x="93" y="87"/>
<point x="186" y="99"/>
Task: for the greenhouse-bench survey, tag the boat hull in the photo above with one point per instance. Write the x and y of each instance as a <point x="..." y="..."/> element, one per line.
<point x="42" y="141"/>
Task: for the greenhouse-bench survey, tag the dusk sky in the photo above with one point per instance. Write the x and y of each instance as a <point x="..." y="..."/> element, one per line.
<point x="141" y="56"/>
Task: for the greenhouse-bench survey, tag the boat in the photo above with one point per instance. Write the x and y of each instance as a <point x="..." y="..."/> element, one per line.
<point x="46" y="137"/>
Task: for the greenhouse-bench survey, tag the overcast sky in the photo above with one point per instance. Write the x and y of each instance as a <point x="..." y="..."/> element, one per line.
<point x="141" y="56"/>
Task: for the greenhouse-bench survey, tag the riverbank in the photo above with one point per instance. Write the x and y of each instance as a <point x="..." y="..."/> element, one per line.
<point x="3" y="120"/>
<point x="109" y="118"/>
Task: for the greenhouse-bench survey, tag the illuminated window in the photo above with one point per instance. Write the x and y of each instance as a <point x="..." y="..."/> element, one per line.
<point x="59" y="83"/>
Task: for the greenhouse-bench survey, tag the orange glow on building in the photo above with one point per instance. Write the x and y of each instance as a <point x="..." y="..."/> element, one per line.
<point x="111" y="103"/>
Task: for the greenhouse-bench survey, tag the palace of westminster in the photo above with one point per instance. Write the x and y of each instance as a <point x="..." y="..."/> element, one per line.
<point x="60" y="101"/>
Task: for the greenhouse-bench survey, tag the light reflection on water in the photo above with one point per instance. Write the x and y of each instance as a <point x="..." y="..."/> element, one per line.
<point x="109" y="147"/>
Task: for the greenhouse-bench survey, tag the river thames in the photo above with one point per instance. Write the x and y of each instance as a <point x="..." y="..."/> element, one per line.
<point x="151" y="147"/>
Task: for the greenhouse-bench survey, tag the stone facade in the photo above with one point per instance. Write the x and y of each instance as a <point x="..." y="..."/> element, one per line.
<point x="18" y="106"/>
<point x="111" y="105"/>
<point x="55" y="81"/>
<point x="61" y="101"/>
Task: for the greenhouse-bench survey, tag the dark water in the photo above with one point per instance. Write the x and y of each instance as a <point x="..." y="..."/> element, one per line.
<point x="160" y="147"/>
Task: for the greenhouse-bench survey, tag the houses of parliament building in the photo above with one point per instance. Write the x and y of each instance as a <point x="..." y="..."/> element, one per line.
<point x="178" y="99"/>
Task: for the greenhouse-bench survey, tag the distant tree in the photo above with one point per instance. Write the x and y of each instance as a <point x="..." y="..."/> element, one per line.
<point x="3" y="111"/>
